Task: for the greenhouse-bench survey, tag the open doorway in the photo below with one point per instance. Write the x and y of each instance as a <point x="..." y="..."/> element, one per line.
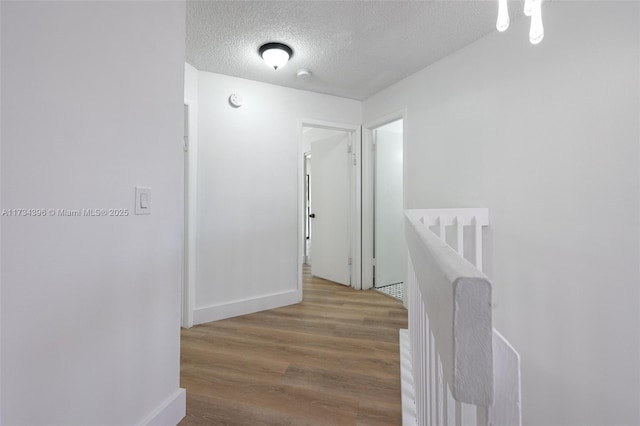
<point x="383" y="200"/>
<point x="330" y="202"/>
<point x="388" y="238"/>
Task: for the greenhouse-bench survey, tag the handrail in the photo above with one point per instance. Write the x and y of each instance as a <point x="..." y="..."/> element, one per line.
<point x="458" y="299"/>
<point x="456" y="357"/>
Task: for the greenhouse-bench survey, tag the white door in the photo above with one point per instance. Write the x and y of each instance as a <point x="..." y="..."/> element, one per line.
<point x="388" y="231"/>
<point x="330" y="195"/>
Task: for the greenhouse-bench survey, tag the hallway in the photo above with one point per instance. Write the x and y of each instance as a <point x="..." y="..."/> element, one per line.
<point x="331" y="360"/>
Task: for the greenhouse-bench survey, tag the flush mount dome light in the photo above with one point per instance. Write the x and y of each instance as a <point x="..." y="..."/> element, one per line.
<point x="275" y="55"/>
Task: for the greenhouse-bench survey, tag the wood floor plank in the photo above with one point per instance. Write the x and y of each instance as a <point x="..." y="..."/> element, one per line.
<point x="331" y="360"/>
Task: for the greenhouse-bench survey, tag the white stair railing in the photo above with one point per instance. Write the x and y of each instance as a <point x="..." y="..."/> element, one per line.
<point x="456" y="368"/>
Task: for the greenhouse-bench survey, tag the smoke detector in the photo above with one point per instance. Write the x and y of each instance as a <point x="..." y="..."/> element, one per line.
<point x="303" y="74"/>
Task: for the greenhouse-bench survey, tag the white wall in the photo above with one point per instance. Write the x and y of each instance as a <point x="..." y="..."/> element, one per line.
<point x="547" y="138"/>
<point x="248" y="183"/>
<point x="92" y="96"/>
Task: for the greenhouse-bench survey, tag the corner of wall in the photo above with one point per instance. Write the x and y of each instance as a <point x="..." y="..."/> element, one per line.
<point x="170" y="412"/>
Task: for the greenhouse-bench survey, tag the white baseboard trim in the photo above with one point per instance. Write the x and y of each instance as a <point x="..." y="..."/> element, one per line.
<point x="170" y="412"/>
<point x="406" y="380"/>
<point x="246" y="306"/>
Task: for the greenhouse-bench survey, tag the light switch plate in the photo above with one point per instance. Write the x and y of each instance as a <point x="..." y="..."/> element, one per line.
<point x="143" y="200"/>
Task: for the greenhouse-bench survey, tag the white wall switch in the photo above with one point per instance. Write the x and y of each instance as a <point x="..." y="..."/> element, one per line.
<point x="143" y="200"/>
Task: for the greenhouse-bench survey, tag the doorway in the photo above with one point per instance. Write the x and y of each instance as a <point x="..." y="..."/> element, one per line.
<point x="330" y="202"/>
<point x="388" y="238"/>
<point x="383" y="245"/>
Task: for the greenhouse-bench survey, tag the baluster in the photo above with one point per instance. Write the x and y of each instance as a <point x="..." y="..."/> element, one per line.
<point x="412" y="309"/>
<point x="482" y="416"/>
<point x="469" y="414"/>
<point x="420" y="354"/>
<point x="413" y="329"/>
<point x="445" y="404"/>
<point x="460" y="236"/>
<point x="439" y="393"/>
<point x="425" y="382"/>
<point x="443" y="229"/>
<point x="478" y="241"/>
<point x="432" y="381"/>
<point x="425" y="372"/>
<point x="465" y="414"/>
<point x="417" y="359"/>
<point x="423" y="360"/>
<point x="451" y="407"/>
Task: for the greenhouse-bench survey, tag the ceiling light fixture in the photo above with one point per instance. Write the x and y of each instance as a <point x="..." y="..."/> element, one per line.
<point x="532" y="8"/>
<point x="276" y="55"/>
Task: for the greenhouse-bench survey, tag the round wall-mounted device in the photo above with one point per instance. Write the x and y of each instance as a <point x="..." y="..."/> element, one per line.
<point x="235" y="100"/>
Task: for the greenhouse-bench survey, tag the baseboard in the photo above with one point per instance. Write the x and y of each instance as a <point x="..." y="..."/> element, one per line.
<point x="246" y="306"/>
<point x="406" y="380"/>
<point x="170" y="412"/>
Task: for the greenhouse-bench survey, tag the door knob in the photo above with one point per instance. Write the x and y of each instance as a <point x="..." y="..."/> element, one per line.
<point x="312" y="215"/>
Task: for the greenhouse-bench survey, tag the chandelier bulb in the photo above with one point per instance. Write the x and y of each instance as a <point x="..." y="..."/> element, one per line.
<point x="536" y="32"/>
<point x="503" y="16"/>
<point x="527" y="7"/>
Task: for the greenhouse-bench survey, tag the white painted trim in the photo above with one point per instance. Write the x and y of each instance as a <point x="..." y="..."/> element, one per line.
<point x="367" y="190"/>
<point x="170" y="412"/>
<point x="304" y="218"/>
<point x="301" y="235"/>
<point x="356" y="233"/>
<point x="188" y="292"/>
<point x="406" y="381"/>
<point x="0" y="231"/>
<point x="356" y="220"/>
<point x="367" y="207"/>
<point x="507" y="402"/>
<point x="245" y="306"/>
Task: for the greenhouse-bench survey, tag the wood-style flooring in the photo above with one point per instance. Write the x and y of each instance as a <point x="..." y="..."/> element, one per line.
<point x="331" y="360"/>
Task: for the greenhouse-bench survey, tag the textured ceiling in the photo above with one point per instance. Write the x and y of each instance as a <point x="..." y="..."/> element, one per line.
<point x="353" y="48"/>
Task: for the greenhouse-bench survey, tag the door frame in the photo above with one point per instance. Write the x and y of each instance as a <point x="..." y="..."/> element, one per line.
<point x="189" y="220"/>
<point x="368" y="207"/>
<point x="355" y="220"/>
<point x="306" y="223"/>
